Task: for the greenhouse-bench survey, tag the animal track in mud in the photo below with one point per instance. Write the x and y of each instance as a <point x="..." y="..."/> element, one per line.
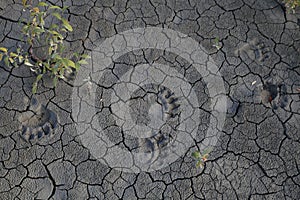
<point x="169" y="103"/>
<point x="153" y="146"/>
<point x="154" y="103"/>
<point x="255" y="50"/>
<point x="162" y="104"/>
<point x="274" y="94"/>
<point x="37" y="122"/>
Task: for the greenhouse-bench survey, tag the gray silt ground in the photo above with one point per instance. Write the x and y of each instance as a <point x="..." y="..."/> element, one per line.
<point x="257" y="155"/>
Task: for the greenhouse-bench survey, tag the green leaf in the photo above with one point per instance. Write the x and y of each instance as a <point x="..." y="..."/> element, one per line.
<point x="35" y="84"/>
<point x="21" y="58"/>
<point x="42" y="22"/>
<point x="57" y="15"/>
<point x="64" y="30"/>
<point x="3" y="49"/>
<point x="35" y="10"/>
<point x="67" y="25"/>
<point x="56" y="56"/>
<point x="65" y="8"/>
<point x="1" y="56"/>
<point x="6" y="61"/>
<point x="61" y="73"/>
<point x="28" y="63"/>
<point x="85" y="56"/>
<point x="44" y="68"/>
<point x="64" y="62"/>
<point x="69" y="63"/>
<point x="39" y="77"/>
<point x="42" y="4"/>
<point x="199" y="164"/>
<point x="55" y="81"/>
<point x="46" y="65"/>
<point x="25" y="29"/>
<point x="196" y="154"/>
<point x="24" y="2"/>
<point x="38" y="30"/>
<point x="76" y="54"/>
<point x="34" y="88"/>
<point x="13" y="55"/>
<point x="54" y="32"/>
<point x="50" y="49"/>
<point x="83" y="62"/>
<point x="53" y="26"/>
<point x="77" y="66"/>
<point x="55" y="7"/>
<point x="11" y="60"/>
<point x="15" y="64"/>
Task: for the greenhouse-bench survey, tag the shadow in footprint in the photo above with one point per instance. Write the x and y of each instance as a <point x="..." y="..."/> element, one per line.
<point x="37" y="122"/>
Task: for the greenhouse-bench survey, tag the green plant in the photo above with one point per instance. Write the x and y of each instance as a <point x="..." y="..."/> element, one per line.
<point x="217" y="44"/>
<point x="46" y="51"/>
<point x="291" y="5"/>
<point x="201" y="158"/>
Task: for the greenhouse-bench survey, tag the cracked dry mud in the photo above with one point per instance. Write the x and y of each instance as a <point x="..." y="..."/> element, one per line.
<point x="257" y="156"/>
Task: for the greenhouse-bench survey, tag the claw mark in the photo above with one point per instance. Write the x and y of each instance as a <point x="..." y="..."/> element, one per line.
<point x="37" y="122"/>
<point x="255" y="50"/>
